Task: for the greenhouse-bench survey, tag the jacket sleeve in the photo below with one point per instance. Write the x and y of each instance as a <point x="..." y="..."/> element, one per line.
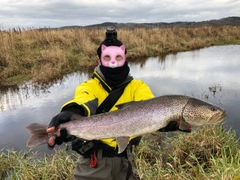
<point x="142" y="91"/>
<point x="85" y="96"/>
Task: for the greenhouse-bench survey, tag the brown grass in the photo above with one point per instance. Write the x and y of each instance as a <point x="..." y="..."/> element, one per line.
<point x="45" y="55"/>
<point x="209" y="153"/>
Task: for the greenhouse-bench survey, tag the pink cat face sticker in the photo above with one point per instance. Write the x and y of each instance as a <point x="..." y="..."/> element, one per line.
<point x="113" y="56"/>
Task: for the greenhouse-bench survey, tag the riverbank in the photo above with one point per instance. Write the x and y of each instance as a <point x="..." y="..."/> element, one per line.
<point x="46" y="55"/>
<point x="210" y="153"/>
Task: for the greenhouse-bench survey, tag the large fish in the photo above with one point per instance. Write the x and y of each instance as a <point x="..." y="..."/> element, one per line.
<point x="135" y="119"/>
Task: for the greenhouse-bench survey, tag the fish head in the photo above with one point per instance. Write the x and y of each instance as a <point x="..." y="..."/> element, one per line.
<point x="198" y="113"/>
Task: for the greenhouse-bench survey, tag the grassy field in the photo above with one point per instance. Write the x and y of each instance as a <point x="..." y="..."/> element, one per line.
<point x="209" y="153"/>
<point x="46" y="55"/>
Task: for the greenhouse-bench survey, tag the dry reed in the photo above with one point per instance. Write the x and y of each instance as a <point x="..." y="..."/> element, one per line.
<point x="43" y="55"/>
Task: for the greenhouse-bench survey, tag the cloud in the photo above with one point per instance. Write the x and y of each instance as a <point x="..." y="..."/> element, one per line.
<point x="57" y="13"/>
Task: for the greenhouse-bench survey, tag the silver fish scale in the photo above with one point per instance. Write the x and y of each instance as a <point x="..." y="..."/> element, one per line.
<point x="134" y="120"/>
<point x="141" y="118"/>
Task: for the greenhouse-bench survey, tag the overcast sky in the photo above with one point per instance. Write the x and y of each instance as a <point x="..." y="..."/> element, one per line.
<point x="57" y="13"/>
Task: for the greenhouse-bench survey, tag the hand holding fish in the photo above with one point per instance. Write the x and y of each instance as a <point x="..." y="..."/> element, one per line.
<point x="61" y="135"/>
<point x="135" y="119"/>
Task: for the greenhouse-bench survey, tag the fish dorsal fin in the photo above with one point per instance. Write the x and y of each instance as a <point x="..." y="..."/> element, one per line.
<point x="122" y="143"/>
<point x="124" y="105"/>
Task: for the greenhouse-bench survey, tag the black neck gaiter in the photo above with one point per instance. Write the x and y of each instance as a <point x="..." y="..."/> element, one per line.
<point x="115" y="76"/>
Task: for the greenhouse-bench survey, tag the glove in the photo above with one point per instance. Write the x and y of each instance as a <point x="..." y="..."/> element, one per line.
<point x="60" y="118"/>
<point x="173" y="126"/>
<point x="135" y="141"/>
<point x="64" y="137"/>
<point x="64" y="117"/>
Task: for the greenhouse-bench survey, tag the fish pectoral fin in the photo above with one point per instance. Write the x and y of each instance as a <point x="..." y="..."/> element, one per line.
<point x="184" y="126"/>
<point x="122" y="143"/>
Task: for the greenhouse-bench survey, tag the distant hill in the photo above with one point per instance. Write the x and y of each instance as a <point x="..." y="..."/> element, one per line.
<point x="232" y="21"/>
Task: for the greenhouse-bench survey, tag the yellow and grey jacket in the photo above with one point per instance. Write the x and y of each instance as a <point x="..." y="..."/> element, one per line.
<point x="92" y="93"/>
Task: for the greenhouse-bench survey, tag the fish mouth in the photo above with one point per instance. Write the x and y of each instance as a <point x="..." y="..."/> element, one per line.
<point x="224" y="114"/>
<point x="219" y="117"/>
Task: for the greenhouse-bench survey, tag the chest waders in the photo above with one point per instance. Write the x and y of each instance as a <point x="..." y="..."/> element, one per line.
<point x="105" y="106"/>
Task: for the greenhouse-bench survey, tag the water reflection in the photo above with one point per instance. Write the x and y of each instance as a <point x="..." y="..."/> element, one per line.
<point x="29" y="95"/>
<point x="26" y="104"/>
<point x="211" y="74"/>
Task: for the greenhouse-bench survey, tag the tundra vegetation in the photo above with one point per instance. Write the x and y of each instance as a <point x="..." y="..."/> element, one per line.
<point x="43" y="55"/>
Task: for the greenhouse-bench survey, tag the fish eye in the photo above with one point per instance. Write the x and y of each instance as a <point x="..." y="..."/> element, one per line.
<point x="213" y="108"/>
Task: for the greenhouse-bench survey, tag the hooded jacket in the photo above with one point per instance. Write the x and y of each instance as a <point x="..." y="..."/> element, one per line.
<point x="90" y="94"/>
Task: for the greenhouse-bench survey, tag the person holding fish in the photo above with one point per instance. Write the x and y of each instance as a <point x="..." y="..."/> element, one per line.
<point x="110" y="86"/>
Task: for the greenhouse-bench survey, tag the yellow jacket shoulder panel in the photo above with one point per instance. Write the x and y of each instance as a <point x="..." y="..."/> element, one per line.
<point x="91" y="94"/>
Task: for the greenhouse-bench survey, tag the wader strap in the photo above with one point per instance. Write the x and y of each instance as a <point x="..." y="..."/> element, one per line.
<point x="99" y="153"/>
<point x="129" y="170"/>
<point x="111" y="99"/>
<point x="114" y="94"/>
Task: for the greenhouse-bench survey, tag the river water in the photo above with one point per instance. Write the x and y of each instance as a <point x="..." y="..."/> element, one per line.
<point x="211" y="74"/>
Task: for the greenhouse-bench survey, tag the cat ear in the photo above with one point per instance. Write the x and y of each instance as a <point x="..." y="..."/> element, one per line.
<point x="103" y="47"/>
<point x="122" y="47"/>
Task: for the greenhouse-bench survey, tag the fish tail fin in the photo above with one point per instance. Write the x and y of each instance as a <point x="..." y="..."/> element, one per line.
<point x="38" y="133"/>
